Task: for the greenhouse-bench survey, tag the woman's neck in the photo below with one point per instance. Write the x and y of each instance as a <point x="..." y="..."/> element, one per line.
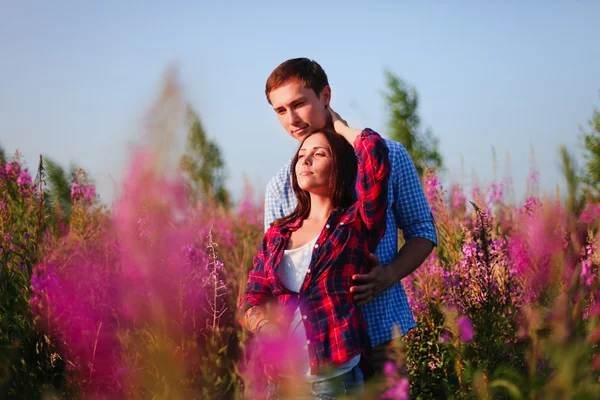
<point x="320" y="208"/>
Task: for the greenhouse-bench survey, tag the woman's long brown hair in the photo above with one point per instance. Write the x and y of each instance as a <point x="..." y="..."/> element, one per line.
<point x="341" y="181"/>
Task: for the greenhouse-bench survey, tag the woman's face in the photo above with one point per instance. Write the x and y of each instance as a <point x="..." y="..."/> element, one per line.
<point x="315" y="164"/>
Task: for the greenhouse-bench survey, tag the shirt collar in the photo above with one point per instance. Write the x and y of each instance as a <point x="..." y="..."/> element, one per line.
<point x="295" y="224"/>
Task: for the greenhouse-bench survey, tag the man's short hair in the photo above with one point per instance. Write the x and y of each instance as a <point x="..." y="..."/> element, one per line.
<point x="304" y="70"/>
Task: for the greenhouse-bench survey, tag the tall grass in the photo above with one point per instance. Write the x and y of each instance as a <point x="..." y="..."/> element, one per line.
<point x="138" y="300"/>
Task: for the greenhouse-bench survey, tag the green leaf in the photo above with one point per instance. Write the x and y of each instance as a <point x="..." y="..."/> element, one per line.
<point x="512" y="389"/>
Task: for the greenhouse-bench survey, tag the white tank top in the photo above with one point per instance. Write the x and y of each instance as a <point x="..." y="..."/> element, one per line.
<point x="291" y="273"/>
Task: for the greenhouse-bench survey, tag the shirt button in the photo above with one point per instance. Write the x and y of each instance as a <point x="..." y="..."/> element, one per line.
<point x="341" y="223"/>
<point x="308" y="342"/>
<point x="304" y="317"/>
<point x="308" y="271"/>
<point x="316" y="246"/>
<point x="327" y="226"/>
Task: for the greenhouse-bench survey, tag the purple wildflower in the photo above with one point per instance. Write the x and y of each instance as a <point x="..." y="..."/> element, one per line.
<point x="82" y="193"/>
<point x="465" y="328"/>
<point x="445" y="337"/>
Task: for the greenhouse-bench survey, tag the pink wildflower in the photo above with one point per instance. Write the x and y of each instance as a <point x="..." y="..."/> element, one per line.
<point x="532" y="204"/>
<point x="390" y="368"/>
<point x="586" y="274"/>
<point x="458" y="199"/>
<point x="81" y="192"/>
<point x="496" y="193"/>
<point x="400" y="391"/>
<point x="590" y="214"/>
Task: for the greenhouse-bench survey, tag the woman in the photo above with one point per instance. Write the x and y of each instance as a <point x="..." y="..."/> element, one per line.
<point x="307" y="259"/>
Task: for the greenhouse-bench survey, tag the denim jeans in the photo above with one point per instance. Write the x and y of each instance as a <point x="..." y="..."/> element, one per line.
<point x="378" y="359"/>
<point x="350" y="383"/>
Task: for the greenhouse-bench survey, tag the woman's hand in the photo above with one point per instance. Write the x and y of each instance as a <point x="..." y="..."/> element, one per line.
<point x="341" y="127"/>
<point x="339" y="124"/>
<point x="269" y="337"/>
<point x="268" y="330"/>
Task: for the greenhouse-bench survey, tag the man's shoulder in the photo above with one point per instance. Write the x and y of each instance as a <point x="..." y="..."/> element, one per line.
<point x="399" y="157"/>
<point x="395" y="148"/>
<point x="272" y="232"/>
<point x="281" y="178"/>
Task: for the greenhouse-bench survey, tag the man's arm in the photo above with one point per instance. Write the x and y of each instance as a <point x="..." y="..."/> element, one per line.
<point x="410" y="257"/>
<point x="413" y="216"/>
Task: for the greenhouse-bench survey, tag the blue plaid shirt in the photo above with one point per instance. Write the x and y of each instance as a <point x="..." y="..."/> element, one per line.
<point x="407" y="210"/>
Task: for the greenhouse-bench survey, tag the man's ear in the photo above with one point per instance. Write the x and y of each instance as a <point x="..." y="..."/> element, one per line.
<point x="326" y="95"/>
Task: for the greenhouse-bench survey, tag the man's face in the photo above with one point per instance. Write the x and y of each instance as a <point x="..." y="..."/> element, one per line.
<point x="299" y="109"/>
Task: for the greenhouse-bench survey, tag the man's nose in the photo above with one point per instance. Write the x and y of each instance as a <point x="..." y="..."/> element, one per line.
<point x="293" y="118"/>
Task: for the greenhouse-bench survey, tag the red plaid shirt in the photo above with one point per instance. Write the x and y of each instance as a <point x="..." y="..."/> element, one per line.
<point x="335" y="327"/>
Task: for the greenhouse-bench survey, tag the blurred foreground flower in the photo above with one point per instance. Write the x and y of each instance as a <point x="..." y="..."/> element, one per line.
<point x="465" y="328"/>
<point x="133" y="297"/>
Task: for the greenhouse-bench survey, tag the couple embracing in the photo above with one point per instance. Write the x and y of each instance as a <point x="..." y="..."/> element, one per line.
<point x="329" y="258"/>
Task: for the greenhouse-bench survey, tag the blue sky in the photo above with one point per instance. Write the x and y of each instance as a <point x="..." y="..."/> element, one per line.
<point x="76" y="79"/>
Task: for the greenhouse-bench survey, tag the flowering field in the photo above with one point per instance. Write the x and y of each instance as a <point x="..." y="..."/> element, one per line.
<point x="139" y="300"/>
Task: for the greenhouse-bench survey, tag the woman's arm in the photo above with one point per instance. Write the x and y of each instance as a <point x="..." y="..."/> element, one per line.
<point x="373" y="174"/>
<point x="255" y="318"/>
<point x="252" y="312"/>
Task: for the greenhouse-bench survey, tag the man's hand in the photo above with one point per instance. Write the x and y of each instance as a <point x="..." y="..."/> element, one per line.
<point x="372" y="284"/>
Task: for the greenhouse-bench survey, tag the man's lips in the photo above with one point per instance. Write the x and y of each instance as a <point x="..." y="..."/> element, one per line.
<point x="299" y="131"/>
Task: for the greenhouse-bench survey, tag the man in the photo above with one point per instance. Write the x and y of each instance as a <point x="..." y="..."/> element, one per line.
<point x="299" y="92"/>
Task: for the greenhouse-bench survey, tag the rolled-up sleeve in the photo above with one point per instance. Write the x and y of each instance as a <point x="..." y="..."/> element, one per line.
<point x="411" y="209"/>
<point x="257" y="290"/>
<point x="372" y="181"/>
